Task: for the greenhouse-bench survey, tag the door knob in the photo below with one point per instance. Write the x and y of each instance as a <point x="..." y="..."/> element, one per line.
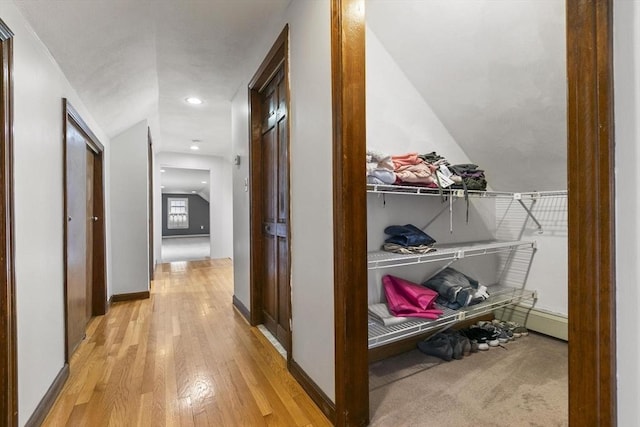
<point x="68" y="219"/>
<point x="94" y="218"/>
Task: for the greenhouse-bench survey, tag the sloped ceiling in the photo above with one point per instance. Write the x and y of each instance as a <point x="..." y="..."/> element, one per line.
<point x="494" y="72"/>
<point x="131" y="60"/>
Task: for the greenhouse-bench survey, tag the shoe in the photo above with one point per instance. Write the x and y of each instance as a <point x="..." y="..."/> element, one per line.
<point x="459" y="343"/>
<point x="496" y="331"/>
<point x="517" y="329"/>
<point x="490" y="336"/>
<point x="438" y="345"/>
<point x="477" y="336"/>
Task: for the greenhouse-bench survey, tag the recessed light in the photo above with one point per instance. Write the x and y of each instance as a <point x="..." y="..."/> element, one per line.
<point x="162" y="170"/>
<point x="162" y="186"/>
<point x="204" y="182"/>
<point x="193" y="191"/>
<point x="193" y="100"/>
<point x="194" y="147"/>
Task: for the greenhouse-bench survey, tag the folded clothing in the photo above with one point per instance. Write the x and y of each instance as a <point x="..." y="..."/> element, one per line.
<point x="407" y="299"/>
<point x="401" y="249"/>
<point x="407" y="235"/>
<point x="381" y="313"/>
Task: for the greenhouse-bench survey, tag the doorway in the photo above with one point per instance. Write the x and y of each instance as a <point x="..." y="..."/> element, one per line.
<point x="186" y="223"/>
<point x="592" y="379"/>
<point x="84" y="228"/>
<point x="8" y="345"/>
<point x="269" y="179"/>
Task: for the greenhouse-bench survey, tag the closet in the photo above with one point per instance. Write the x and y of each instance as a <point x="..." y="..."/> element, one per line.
<point x="480" y="82"/>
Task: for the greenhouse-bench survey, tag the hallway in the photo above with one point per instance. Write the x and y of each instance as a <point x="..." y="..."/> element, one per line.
<point x="182" y="357"/>
<point x="185" y="248"/>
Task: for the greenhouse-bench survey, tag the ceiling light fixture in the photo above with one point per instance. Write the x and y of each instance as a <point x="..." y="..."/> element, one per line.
<point x="194" y="147"/>
<point x="193" y="100"/>
<point x="204" y="182"/>
<point x="162" y="186"/>
<point x="193" y="191"/>
<point x="162" y="170"/>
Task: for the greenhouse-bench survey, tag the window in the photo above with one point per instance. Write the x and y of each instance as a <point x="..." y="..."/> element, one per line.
<point x="177" y="213"/>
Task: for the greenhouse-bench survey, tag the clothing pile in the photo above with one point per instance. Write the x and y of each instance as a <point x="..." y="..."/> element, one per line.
<point x="407" y="239"/>
<point x="472" y="177"/>
<point x="428" y="170"/>
<point x="455" y="289"/>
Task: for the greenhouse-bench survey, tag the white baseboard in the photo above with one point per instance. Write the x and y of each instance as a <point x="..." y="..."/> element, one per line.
<point x="544" y="322"/>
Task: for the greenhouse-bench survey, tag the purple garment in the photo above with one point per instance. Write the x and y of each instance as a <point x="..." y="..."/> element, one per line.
<point x="407" y="299"/>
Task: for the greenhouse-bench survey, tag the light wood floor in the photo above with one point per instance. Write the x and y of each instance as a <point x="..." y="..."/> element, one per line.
<point x="183" y="357"/>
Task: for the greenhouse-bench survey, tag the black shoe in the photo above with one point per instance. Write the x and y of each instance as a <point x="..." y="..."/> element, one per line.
<point x="438" y="345"/>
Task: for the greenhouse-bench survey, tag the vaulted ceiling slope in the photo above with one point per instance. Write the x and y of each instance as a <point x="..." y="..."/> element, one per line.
<point x="131" y="60"/>
<point x="495" y="74"/>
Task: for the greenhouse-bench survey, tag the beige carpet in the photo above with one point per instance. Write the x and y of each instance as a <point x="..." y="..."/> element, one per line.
<point x="523" y="384"/>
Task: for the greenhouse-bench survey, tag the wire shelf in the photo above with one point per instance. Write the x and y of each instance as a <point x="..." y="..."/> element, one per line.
<point x="500" y="296"/>
<point x="444" y="252"/>
<point x="458" y="193"/>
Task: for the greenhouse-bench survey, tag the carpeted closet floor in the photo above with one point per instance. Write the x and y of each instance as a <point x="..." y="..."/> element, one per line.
<point x="522" y="384"/>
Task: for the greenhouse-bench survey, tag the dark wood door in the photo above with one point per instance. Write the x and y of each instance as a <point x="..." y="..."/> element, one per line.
<point x="275" y="209"/>
<point x="77" y="300"/>
<point x="91" y="218"/>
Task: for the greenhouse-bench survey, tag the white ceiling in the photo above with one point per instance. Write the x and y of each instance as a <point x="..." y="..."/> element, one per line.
<point x="131" y="60"/>
<point x="185" y="181"/>
<point x="494" y="72"/>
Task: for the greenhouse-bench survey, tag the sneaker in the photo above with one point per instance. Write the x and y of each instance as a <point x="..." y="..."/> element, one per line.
<point x="490" y="335"/>
<point x="498" y="332"/>
<point x="517" y="329"/>
<point x="438" y="345"/>
<point x="478" y="336"/>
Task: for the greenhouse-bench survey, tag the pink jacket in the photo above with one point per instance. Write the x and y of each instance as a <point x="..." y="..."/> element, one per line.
<point x="407" y="299"/>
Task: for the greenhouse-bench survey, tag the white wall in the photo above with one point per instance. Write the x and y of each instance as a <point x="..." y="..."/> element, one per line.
<point x="627" y="133"/>
<point x="39" y="87"/>
<point x="220" y="203"/>
<point x="311" y="191"/>
<point x="495" y="74"/>
<point x="399" y="120"/>
<point x="129" y="212"/>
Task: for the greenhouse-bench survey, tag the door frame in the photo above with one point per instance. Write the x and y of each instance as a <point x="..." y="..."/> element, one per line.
<point x="99" y="290"/>
<point x="590" y="150"/>
<point x="8" y="331"/>
<point x="278" y="55"/>
<point x="152" y="264"/>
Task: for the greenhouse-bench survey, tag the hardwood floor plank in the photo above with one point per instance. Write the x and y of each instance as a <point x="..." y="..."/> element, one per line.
<point x="183" y="357"/>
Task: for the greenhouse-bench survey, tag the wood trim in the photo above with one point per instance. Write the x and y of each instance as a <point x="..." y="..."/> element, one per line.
<point x="43" y="408"/>
<point x="151" y="243"/>
<point x="129" y="297"/>
<point x="99" y="292"/>
<point x="592" y="343"/>
<point x="349" y="211"/>
<point x="73" y="115"/>
<point x="242" y="309"/>
<point x="311" y="388"/>
<point x="277" y="55"/>
<point x="8" y="332"/>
